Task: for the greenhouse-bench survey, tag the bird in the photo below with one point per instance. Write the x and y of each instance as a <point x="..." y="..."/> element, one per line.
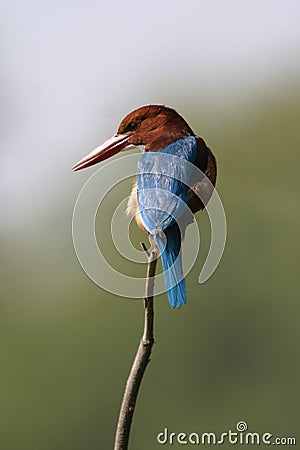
<point x="170" y="186"/>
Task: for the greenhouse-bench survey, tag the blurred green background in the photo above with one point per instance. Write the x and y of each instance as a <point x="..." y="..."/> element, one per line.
<point x="232" y="353"/>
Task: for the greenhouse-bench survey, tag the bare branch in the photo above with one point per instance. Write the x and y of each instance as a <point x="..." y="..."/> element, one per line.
<point x="141" y="360"/>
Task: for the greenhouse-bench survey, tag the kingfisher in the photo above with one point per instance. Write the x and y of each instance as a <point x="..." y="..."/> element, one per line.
<point x="176" y="175"/>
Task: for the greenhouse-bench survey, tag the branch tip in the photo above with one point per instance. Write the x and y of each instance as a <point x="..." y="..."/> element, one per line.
<point x="145" y="249"/>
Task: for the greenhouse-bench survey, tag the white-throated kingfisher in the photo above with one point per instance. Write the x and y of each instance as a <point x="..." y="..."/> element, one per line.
<point x="166" y="193"/>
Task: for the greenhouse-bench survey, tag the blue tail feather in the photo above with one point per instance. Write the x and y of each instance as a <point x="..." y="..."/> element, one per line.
<point x="172" y="266"/>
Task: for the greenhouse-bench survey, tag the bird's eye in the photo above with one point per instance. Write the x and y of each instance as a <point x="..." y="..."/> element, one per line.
<point x="132" y="126"/>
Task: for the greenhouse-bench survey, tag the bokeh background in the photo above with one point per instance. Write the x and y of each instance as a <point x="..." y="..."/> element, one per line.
<point x="69" y="72"/>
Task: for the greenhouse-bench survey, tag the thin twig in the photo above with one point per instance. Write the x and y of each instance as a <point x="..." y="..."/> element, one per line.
<point x="141" y="359"/>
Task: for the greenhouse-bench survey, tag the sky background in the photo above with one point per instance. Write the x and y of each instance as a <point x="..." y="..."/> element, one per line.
<point x="69" y="73"/>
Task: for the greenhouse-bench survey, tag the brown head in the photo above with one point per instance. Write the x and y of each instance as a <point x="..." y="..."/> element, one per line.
<point x="153" y="126"/>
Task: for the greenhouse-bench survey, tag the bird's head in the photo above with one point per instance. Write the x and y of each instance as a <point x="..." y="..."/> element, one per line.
<point x="152" y="126"/>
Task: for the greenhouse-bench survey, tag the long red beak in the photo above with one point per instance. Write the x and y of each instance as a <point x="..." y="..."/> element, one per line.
<point x="109" y="148"/>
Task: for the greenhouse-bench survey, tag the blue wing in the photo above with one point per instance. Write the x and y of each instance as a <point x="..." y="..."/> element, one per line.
<point x="162" y="181"/>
